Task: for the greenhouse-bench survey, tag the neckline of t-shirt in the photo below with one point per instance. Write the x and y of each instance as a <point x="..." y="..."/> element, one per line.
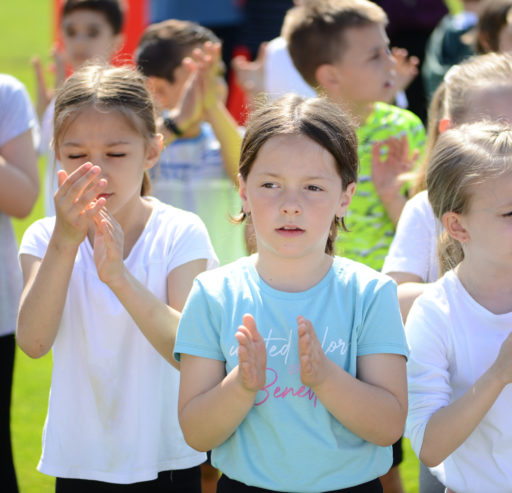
<point x="154" y="204"/>
<point x="451" y="275"/>
<point x="287" y="295"/>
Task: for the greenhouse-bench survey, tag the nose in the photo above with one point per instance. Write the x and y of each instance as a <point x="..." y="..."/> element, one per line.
<point x="291" y="204"/>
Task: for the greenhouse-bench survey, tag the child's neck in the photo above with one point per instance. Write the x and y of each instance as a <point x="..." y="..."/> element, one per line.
<point x="291" y="274"/>
<point x="359" y="111"/>
<point x="489" y="286"/>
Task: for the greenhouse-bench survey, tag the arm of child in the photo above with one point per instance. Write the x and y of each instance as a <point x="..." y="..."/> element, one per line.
<point x="212" y="404"/>
<point x="223" y="124"/>
<point x="390" y="174"/>
<point x="19" y="179"/>
<point x="47" y="279"/>
<point x="158" y="321"/>
<point x="450" y="426"/>
<point x="377" y="406"/>
<point x="410" y="286"/>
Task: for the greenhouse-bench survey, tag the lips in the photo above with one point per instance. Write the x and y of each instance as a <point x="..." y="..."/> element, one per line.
<point x="290" y="230"/>
<point x="104" y="196"/>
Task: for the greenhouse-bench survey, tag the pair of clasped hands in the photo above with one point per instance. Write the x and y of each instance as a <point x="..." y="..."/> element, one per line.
<point x="80" y="210"/>
<point x="315" y="366"/>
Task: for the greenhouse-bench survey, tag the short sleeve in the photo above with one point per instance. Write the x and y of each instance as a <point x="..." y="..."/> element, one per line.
<point x="413" y="243"/>
<point x="16" y="111"/>
<point x="36" y="237"/>
<point x="427" y="368"/>
<point x="192" y="243"/>
<point x="381" y="329"/>
<point x="198" y="330"/>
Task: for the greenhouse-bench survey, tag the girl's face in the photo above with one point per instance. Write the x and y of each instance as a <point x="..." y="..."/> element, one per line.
<point x="487" y="225"/>
<point x="293" y="192"/>
<point x="106" y="139"/>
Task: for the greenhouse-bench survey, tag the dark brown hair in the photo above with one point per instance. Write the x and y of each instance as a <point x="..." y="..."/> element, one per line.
<point x="164" y="45"/>
<point x="315" y="118"/>
<point x="106" y="88"/>
<point x="111" y="9"/>
<point x="492" y="19"/>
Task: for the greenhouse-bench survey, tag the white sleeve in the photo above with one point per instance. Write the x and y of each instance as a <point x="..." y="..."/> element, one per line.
<point x="428" y="366"/>
<point x="36" y="237"/>
<point x="16" y="111"/>
<point x="413" y="249"/>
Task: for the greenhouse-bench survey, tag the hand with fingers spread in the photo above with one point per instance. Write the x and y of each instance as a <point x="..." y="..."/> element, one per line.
<point x="76" y="202"/>
<point x="108" y="247"/>
<point x="252" y="355"/>
<point x="390" y="174"/>
<point x="208" y="60"/>
<point x="314" y="364"/>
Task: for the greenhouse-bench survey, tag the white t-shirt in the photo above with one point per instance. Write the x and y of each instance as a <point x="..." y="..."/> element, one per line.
<point x="16" y="117"/>
<point x="112" y="413"/>
<point x="281" y="76"/>
<point x="414" y="246"/>
<point x="453" y="341"/>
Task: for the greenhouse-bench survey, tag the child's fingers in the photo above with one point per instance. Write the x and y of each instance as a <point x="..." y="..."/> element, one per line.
<point x="250" y="324"/>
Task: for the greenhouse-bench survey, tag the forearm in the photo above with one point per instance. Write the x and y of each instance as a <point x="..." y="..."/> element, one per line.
<point x="394" y="205"/>
<point x="450" y="426"/>
<point x="371" y="412"/>
<point x="18" y="191"/>
<point x="155" y="319"/>
<point x="43" y="299"/>
<point x="210" y="418"/>
<point x="228" y="135"/>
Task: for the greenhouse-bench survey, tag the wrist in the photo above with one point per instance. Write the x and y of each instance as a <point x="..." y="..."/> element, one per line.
<point x="173" y="123"/>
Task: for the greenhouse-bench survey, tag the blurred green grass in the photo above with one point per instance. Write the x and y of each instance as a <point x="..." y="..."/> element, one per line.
<point x="26" y="29"/>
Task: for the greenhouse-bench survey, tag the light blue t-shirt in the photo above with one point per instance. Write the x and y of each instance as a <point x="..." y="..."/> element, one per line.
<point x="289" y="441"/>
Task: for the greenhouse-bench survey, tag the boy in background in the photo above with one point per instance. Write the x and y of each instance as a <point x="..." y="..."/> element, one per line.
<point x="199" y="166"/>
<point x="341" y="49"/>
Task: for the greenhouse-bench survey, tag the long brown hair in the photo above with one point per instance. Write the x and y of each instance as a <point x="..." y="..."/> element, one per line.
<point x="315" y="118"/>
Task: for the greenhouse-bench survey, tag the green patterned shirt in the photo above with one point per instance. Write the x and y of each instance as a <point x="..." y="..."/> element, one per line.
<point x="371" y="230"/>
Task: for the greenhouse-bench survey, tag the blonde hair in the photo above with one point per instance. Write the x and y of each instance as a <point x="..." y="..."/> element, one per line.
<point x="452" y="98"/>
<point x="463" y="158"/>
<point x="107" y="89"/>
<point x="315" y="118"/>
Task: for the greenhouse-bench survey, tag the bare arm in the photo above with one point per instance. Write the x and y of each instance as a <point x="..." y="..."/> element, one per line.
<point x="212" y="404"/>
<point x="19" y="180"/>
<point x="158" y="321"/>
<point x="449" y="427"/>
<point x="47" y="279"/>
<point x="377" y="407"/>
<point x="410" y="286"/>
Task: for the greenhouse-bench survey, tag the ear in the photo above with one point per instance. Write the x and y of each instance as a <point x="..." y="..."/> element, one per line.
<point x="327" y="77"/>
<point x="453" y="224"/>
<point x="242" y="191"/>
<point x="444" y="125"/>
<point x="153" y="151"/>
<point x="346" y="198"/>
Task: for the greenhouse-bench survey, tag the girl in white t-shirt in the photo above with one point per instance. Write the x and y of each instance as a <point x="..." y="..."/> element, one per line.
<point x="105" y="281"/>
<point x="477" y="89"/>
<point x="459" y="329"/>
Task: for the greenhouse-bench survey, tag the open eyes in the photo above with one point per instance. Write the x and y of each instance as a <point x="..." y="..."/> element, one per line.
<point x="311" y="188"/>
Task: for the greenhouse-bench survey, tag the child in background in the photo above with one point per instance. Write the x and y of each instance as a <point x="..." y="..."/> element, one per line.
<point x="494" y="30"/>
<point x="477" y="89"/>
<point x="105" y="280"/>
<point x="19" y="187"/>
<point x="340" y="48"/>
<point x="90" y="30"/>
<point x="270" y="398"/>
<point x="459" y="328"/>
<point x="198" y="168"/>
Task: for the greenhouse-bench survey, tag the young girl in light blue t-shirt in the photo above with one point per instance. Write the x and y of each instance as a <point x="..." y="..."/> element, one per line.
<point x="292" y="360"/>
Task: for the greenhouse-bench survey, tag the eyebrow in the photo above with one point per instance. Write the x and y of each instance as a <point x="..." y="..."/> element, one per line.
<point x="110" y="144"/>
<point x="276" y="175"/>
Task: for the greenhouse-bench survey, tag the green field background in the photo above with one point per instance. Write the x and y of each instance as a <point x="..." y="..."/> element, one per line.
<point x="26" y="30"/>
